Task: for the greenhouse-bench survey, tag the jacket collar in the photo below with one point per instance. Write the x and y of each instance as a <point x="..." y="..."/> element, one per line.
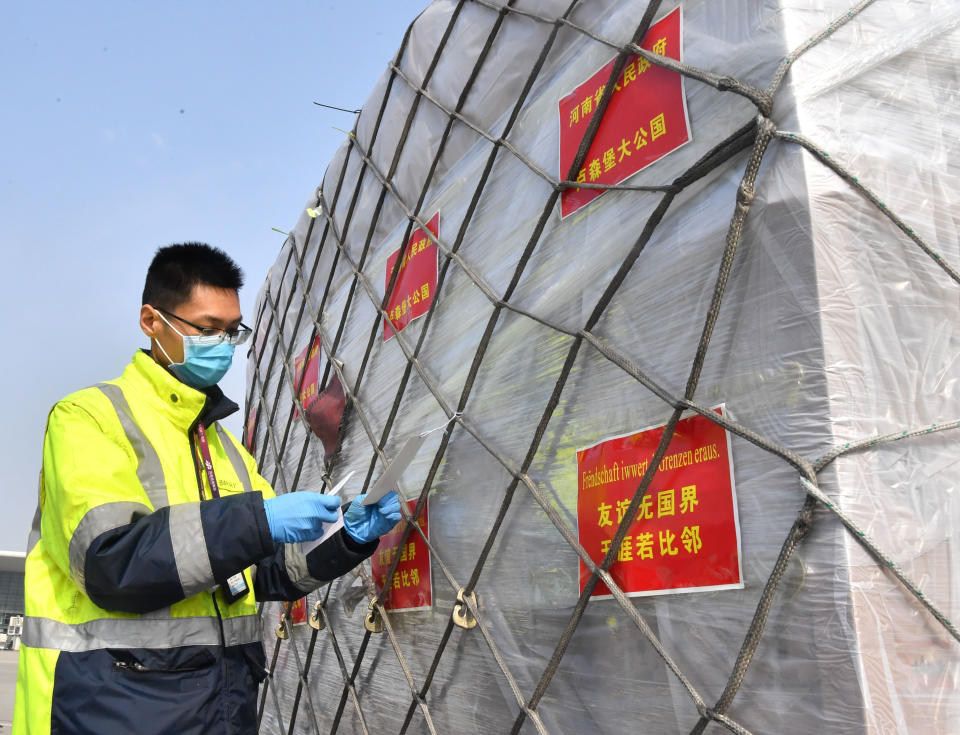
<point x="178" y="402"/>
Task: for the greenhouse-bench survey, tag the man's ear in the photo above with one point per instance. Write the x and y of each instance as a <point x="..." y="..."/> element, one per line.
<point x="149" y="321"/>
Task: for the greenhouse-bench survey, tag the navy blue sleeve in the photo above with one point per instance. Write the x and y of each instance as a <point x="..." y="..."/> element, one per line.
<point x="288" y="574"/>
<point x="163" y="557"/>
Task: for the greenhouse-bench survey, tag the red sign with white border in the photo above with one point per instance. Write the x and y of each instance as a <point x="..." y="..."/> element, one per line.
<point x="416" y="283"/>
<point x="686" y="536"/>
<point x="412" y="583"/>
<point x="645" y="120"/>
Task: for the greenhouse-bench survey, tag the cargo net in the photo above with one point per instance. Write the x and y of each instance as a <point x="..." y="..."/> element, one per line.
<point x="280" y="319"/>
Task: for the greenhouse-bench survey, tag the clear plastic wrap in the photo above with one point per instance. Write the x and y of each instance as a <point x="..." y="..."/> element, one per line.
<point x="834" y="328"/>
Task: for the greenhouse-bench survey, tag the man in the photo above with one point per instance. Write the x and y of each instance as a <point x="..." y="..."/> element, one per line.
<point x="155" y="537"/>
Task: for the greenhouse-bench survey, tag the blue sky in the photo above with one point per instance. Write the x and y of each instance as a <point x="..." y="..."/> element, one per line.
<point x="127" y="126"/>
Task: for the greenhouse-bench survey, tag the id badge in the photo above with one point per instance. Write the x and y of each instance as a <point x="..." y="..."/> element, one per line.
<point x="235" y="588"/>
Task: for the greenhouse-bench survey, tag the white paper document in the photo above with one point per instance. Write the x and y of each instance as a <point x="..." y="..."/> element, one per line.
<point x="328" y="528"/>
<point x="388" y="480"/>
<point x="391" y="476"/>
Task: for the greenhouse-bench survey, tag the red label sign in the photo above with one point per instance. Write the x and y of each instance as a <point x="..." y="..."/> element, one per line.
<point x="249" y="431"/>
<point x="253" y="359"/>
<point x="323" y="409"/>
<point x="307" y="374"/>
<point x="412" y="587"/>
<point x="645" y="120"/>
<point x="417" y="281"/>
<point x="298" y="611"/>
<point x="686" y="535"/>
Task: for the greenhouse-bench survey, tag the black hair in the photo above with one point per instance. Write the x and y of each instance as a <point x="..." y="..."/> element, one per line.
<point x="176" y="269"/>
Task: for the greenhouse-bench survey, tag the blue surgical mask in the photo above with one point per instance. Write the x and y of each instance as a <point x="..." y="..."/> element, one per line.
<point x="205" y="359"/>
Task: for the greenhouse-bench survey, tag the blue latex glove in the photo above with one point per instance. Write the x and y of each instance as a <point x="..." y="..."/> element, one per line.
<point x="366" y="523"/>
<point x="300" y="516"/>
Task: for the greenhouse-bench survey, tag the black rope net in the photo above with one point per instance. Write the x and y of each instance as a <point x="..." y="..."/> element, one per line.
<point x="795" y="262"/>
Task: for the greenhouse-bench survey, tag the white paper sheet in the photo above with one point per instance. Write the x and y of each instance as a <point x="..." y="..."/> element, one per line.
<point x="388" y="480"/>
<point x="329" y="528"/>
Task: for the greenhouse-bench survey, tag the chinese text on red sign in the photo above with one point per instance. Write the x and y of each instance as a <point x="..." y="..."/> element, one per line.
<point x="417" y="281"/>
<point x="645" y="120"/>
<point x="686" y="534"/>
<point x="411" y="586"/>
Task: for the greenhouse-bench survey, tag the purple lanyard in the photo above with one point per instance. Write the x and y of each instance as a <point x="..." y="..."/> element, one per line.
<point x="207" y="461"/>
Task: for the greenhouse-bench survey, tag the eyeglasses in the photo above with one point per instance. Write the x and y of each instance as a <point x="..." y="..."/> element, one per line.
<point x="236" y="336"/>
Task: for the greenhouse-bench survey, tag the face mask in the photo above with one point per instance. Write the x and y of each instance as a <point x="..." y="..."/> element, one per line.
<point x="205" y="359"/>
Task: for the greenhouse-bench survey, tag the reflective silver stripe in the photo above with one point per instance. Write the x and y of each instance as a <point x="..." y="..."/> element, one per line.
<point x="139" y="633"/>
<point x="242" y="629"/>
<point x="190" y="548"/>
<point x="239" y="466"/>
<point x="149" y="470"/>
<point x="162" y="614"/>
<point x="95" y="521"/>
<point x="34" y="538"/>
<point x="297" y="569"/>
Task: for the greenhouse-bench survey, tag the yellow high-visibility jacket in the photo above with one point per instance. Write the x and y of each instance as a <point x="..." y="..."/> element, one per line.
<point x="124" y="631"/>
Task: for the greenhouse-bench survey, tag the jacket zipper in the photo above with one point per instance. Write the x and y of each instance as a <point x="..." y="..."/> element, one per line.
<point x="138" y="668"/>
<point x="223" y="661"/>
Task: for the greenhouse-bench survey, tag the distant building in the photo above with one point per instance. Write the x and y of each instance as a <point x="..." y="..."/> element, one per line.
<point x="11" y="598"/>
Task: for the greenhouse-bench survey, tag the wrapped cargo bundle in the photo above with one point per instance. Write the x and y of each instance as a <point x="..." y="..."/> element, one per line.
<point x="662" y="300"/>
